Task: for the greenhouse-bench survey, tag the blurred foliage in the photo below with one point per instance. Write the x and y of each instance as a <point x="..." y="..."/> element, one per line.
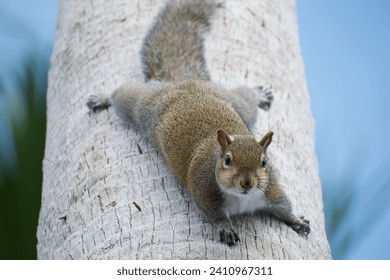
<point x="337" y="206"/>
<point x="24" y="108"/>
<point x="353" y="205"/>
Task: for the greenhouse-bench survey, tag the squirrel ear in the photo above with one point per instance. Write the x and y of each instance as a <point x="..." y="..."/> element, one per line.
<point x="266" y="140"/>
<point x="223" y="138"/>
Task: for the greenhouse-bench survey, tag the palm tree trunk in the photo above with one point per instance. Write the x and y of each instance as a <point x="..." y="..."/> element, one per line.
<point x="107" y="192"/>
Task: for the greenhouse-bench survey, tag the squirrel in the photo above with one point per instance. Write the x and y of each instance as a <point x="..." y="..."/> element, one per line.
<point x="201" y="129"/>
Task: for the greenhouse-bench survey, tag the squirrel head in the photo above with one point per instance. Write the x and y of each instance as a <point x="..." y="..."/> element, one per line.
<point x="242" y="166"/>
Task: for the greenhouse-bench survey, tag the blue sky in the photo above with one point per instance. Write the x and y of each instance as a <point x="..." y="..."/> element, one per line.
<point x="346" y="51"/>
<point x="26" y="27"/>
<point x="345" y="47"/>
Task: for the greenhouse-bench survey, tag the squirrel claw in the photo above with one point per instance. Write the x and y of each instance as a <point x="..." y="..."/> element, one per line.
<point x="229" y="236"/>
<point x="302" y="227"/>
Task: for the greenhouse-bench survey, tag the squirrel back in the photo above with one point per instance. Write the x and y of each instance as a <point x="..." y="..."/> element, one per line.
<point x="193" y="113"/>
<point x="173" y="48"/>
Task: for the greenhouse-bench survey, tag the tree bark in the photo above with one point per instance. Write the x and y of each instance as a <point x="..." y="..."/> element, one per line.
<point x="107" y="192"/>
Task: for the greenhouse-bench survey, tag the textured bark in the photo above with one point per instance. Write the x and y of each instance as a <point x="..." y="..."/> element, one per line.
<point x="98" y="170"/>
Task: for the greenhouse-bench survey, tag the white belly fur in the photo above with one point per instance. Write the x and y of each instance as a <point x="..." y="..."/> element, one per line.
<point x="248" y="203"/>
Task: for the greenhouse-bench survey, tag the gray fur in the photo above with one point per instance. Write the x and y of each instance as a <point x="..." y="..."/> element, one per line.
<point x="173" y="48"/>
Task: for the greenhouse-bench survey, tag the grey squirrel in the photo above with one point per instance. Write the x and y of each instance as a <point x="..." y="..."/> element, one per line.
<point x="201" y="129"/>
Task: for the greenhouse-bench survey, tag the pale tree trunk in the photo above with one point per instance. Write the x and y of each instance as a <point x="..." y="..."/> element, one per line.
<point x="98" y="171"/>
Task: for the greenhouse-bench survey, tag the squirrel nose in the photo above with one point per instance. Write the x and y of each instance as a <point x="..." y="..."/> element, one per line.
<point x="246" y="183"/>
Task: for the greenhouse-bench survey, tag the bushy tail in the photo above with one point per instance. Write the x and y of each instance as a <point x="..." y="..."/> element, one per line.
<point x="173" y="47"/>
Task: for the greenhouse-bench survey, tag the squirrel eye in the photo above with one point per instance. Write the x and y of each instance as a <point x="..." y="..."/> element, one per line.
<point x="263" y="162"/>
<point x="227" y="160"/>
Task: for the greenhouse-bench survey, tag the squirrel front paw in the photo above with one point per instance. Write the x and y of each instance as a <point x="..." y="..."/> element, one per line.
<point x="229" y="236"/>
<point x="266" y="97"/>
<point x="302" y="226"/>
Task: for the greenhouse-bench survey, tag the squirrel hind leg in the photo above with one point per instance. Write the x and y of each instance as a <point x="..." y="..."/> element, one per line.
<point x="97" y="103"/>
<point x="266" y="97"/>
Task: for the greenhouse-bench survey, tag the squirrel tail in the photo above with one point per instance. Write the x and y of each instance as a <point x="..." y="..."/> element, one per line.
<point x="173" y="47"/>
